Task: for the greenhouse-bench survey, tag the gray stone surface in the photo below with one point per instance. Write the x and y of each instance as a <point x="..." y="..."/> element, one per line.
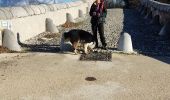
<point x="10" y="40"/>
<point x="125" y="43"/>
<point x="50" y="26"/>
<point x="69" y="18"/>
<point x="18" y="12"/>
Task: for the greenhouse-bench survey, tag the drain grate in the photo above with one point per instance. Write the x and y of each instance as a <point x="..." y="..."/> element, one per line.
<point x="97" y="56"/>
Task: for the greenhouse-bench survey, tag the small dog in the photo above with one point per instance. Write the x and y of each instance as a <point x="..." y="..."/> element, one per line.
<point x="84" y="38"/>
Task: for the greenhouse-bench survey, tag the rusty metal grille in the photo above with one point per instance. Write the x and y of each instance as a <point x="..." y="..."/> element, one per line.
<point x="96" y="56"/>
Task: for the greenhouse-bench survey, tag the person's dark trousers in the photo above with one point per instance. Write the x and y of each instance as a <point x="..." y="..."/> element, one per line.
<point x="100" y="28"/>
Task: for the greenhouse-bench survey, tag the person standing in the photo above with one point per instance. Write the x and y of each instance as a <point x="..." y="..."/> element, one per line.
<point x="98" y="13"/>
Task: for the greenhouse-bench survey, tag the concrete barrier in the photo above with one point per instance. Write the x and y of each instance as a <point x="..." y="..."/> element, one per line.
<point x="80" y="13"/>
<point x="9" y="40"/>
<point x="50" y="26"/>
<point x="69" y="18"/>
<point x="125" y="43"/>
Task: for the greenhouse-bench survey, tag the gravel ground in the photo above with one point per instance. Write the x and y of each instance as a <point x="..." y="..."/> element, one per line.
<point x="144" y="35"/>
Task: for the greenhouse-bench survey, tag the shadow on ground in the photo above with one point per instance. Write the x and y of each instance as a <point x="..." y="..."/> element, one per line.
<point x="38" y="47"/>
<point x="145" y="36"/>
<point x="41" y="48"/>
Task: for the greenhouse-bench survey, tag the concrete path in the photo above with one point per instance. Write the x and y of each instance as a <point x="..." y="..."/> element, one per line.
<point x="52" y="76"/>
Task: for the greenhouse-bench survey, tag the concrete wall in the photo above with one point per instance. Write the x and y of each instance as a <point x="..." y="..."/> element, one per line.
<point x="29" y="21"/>
<point x="160" y="13"/>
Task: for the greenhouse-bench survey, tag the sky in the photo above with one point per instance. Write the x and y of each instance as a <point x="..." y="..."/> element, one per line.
<point x="5" y="3"/>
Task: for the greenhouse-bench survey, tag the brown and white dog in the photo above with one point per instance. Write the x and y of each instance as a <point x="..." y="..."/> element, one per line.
<point x="79" y="37"/>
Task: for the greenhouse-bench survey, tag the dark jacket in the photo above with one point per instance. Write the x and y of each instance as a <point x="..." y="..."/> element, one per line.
<point x="97" y="19"/>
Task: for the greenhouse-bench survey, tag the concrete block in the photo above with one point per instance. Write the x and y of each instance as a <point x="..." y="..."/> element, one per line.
<point x="9" y="40"/>
<point x="165" y="29"/>
<point x="125" y="43"/>
<point x="29" y="10"/>
<point x="18" y="12"/>
<point x="69" y="18"/>
<point x="50" y="27"/>
<point x="80" y="13"/>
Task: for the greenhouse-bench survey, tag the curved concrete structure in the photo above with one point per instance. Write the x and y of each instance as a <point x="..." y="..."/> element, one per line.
<point x="36" y="9"/>
<point x="18" y="12"/>
<point x="29" y="10"/>
<point x="7" y="13"/>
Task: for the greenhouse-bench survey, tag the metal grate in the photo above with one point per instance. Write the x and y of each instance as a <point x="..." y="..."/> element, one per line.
<point x="96" y="56"/>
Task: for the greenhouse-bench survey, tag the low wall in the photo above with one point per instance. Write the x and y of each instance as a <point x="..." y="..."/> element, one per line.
<point x="160" y="12"/>
<point x="29" y="21"/>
